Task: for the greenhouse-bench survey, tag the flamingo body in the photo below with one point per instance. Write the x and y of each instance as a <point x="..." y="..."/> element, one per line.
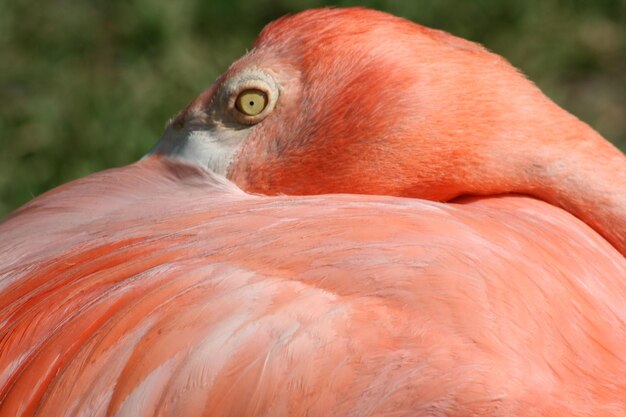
<point x="165" y="289"/>
<point x="237" y="305"/>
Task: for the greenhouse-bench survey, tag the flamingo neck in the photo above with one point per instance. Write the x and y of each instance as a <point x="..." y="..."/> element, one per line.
<point x="587" y="177"/>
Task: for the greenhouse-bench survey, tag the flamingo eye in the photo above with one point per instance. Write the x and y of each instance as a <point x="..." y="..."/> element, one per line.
<point x="251" y="102"/>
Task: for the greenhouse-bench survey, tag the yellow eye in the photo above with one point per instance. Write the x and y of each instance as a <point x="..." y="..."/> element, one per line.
<point x="251" y="102"/>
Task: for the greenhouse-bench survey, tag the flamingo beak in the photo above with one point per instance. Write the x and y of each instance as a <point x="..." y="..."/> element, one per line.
<point x="194" y="140"/>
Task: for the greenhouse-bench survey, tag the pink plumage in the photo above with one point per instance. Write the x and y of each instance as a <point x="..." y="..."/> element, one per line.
<point x="160" y="289"/>
<point x="164" y="289"/>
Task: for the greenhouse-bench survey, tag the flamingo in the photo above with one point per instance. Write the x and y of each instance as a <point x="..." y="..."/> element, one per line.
<point x="361" y="217"/>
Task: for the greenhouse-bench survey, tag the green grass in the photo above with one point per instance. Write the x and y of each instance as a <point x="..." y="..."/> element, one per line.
<point x="87" y="85"/>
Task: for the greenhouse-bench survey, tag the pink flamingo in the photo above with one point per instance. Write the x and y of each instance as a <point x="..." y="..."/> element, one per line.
<point x="163" y="289"/>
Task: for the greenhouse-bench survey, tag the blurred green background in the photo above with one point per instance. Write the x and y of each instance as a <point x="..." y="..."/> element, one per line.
<point x="88" y="84"/>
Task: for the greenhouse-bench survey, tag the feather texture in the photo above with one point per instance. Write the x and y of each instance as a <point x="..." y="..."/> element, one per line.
<point x="230" y="304"/>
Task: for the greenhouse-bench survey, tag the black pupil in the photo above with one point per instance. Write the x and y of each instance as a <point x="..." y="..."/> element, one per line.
<point x="252" y="103"/>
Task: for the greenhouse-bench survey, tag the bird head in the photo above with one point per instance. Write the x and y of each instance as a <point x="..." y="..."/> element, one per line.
<point x="359" y="101"/>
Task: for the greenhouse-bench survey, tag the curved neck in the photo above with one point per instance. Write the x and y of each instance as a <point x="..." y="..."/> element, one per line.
<point x="588" y="179"/>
